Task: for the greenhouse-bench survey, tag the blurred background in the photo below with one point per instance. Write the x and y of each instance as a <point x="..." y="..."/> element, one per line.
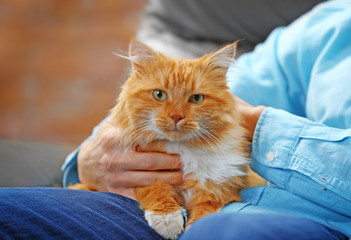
<point x="58" y="74"/>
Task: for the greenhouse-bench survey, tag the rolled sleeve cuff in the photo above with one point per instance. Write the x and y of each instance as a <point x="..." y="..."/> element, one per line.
<point x="270" y="128"/>
<point x="70" y="169"/>
<point x="287" y="148"/>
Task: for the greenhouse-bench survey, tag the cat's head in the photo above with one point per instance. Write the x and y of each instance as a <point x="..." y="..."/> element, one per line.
<point x="177" y="99"/>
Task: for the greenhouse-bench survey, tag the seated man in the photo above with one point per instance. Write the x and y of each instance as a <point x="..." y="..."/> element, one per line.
<point x="301" y="144"/>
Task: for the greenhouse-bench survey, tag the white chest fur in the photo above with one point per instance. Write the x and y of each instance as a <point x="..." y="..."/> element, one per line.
<point x="209" y="164"/>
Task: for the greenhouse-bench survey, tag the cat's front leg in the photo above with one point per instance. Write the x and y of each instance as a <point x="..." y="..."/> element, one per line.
<point x="201" y="205"/>
<point x="209" y="198"/>
<point x="162" y="210"/>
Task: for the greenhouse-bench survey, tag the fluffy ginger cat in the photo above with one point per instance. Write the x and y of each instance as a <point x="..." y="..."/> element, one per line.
<point x="184" y="107"/>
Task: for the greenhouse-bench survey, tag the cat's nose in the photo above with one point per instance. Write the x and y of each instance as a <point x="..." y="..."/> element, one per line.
<point x="177" y="118"/>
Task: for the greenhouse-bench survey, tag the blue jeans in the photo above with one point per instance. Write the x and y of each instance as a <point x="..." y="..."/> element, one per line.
<point x="53" y="213"/>
<point x="259" y="226"/>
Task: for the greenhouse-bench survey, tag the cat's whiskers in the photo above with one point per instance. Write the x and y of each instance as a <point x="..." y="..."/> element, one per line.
<point x="112" y="143"/>
<point x="139" y="134"/>
<point x="206" y="132"/>
<point x="118" y="144"/>
<point x="125" y="143"/>
<point x="129" y="136"/>
<point x="197" y="136"/>
<point x="145" y="127"/>
<point x="213" y="135"/>
<point x="115" y="144"/>
<point x="206" y="138"/>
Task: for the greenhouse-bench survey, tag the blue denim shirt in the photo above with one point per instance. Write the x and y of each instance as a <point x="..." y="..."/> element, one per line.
<point x="302" y="142"/>
<point x="303" y="149"/>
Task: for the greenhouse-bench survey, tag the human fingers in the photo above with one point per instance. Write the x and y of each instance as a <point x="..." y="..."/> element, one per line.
<point x="132" y="160"/>
<point x="132" y="179"/>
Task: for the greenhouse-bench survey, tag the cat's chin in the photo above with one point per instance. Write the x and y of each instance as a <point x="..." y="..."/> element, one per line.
<point x="176" y="135"/>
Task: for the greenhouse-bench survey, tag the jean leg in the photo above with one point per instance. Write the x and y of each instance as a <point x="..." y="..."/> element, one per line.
<point x="261" y="226"/>
<point x="54" y="213"/>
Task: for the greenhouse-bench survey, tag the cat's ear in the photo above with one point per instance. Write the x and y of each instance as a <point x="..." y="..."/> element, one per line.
<point x="139" y="54"/>
<point x="224" y="57"/>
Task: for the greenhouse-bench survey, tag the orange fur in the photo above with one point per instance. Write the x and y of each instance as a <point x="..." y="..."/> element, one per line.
<point x="212" y="196"/>
<point x="80" y="186"/>
<point x="180" y="79"/>
<point x="158" y="197"/>
<point x="209" y="127"/>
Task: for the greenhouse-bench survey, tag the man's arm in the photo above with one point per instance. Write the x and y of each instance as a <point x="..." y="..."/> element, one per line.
<point x="304" y="157"/>
<point x="303" y="69"/>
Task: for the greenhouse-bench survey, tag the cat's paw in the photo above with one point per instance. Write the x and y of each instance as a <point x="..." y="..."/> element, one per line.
<point x="169" y="226"/>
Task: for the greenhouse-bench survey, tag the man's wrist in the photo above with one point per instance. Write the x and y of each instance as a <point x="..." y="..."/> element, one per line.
<point x="252" y="118"/>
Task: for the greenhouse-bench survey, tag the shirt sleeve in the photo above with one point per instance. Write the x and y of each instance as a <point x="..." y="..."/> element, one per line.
<point x="286" y="146"/>
<point x="303" y="70"/>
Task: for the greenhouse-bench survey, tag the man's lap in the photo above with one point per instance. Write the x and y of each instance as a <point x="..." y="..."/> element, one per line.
<point x="260" y="226"/>
<point x="47" y="213"/>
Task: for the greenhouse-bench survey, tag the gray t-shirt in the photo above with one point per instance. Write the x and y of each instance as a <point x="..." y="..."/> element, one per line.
<point x="211" y="23"/>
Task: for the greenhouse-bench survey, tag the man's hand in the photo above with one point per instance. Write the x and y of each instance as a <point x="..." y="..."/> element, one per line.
<point x="103" y="166"/>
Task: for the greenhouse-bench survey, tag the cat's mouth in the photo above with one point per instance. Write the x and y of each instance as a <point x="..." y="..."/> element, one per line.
<point x="177" y="132"/>
<point x="175" y="129"/>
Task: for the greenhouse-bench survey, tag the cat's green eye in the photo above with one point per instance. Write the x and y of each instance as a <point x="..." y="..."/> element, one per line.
<point x="198" y="98"/>
<point x="159" y="95"/>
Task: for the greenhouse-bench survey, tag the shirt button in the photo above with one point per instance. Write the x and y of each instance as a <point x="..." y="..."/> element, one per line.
<point x="270" y="156"/>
